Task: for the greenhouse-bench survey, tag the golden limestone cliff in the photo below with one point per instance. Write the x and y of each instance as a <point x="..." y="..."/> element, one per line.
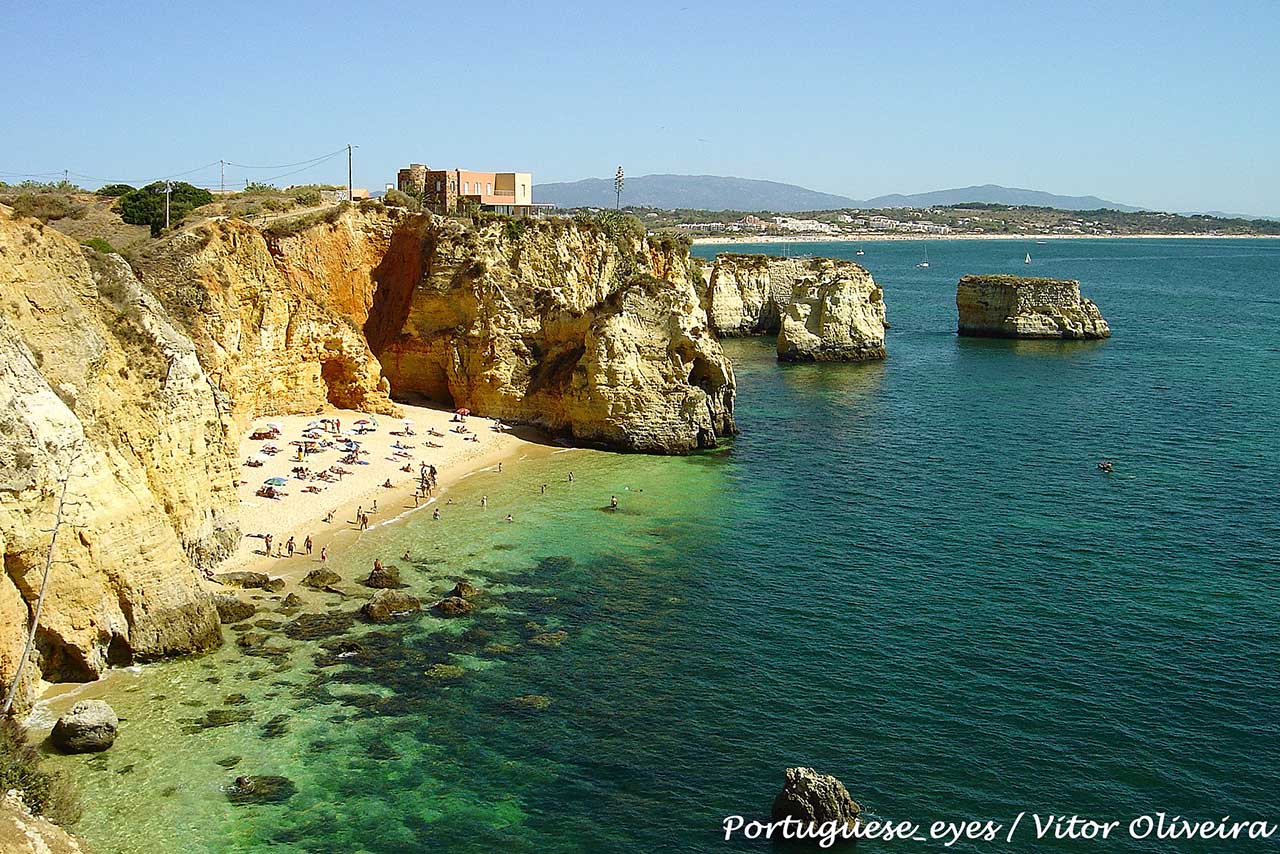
<point x="97" y="383"/>
<point x="835" y="314"/>
<point x="584" y="333"/>
<point x="276" y="319"/>
<point x="135" y="381"/>
<point x="821" y="309"/>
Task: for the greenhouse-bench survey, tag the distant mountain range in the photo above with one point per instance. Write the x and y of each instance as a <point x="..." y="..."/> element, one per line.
<point x="697" y="192"/>
<point x="717" y="193"/>
<point x="995" y="194"/>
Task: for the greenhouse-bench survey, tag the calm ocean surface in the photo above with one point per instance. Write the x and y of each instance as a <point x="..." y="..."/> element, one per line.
<point x="909" y="575"/>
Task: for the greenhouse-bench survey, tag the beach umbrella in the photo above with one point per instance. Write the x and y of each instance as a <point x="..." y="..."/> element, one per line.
<point x="463" y="411"/>
<point x="275" y="481"/>
<point x="363" y="421"/>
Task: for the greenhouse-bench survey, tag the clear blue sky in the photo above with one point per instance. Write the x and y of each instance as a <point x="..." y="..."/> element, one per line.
<point x="1174" y="105"/>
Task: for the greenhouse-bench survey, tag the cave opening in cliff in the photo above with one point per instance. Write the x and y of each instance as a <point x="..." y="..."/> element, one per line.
<point x="342" y="382"/>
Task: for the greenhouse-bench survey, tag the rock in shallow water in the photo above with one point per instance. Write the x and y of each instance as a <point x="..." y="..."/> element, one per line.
<point x="453" y="606"/>
<point x="232" y="609"/>
<point x="384" y="578"/>
<point x="318" y="579"/>
<point x="89" y="727"/>
<point x="261" y="789"/>
<point x="812" y="797"/>
<point x="388" y="605"/>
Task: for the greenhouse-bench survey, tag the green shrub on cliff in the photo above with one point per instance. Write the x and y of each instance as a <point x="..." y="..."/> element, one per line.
<point x="99" y="244"/>
<point x="46" y="793"/>
<point x="145" y="206"/>
<point x="114" y="191"/>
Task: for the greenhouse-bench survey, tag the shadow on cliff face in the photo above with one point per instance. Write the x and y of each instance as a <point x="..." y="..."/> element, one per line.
<point x="394" y="278"/>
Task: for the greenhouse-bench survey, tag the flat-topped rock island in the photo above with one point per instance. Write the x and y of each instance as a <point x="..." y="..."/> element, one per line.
<point x="1027" y="307"/>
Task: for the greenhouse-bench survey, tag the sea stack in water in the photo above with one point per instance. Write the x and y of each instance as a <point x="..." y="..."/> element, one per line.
<point x="836" y="314"/>
<point x="812" y="797"/>
<point x="1026" y="307"/>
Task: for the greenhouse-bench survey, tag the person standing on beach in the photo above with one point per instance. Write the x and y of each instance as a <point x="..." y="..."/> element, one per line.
<point x="571" y="477"/>
<point x="324" y="553"/>
<point x="267" y="540"/>
<point x="306" y="544"/>
<point x="375" y="502"/>
<point x="484" y="501"/>
<point x="289" y="546"/>
<point x="499" y="468"/>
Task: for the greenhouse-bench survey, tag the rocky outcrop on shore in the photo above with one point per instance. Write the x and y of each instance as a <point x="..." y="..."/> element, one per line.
<point x="1027" y="307"/>
<point x="746" y="294"/>
<point x="835" y="314"/>
<point x="90" y="727"/>
<point x="581" y="329"/>
<point x="97" y="383"/>
<point x="821" y="309"/>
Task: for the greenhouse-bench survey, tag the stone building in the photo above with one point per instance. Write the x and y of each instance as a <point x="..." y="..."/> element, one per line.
<point x="448" y="190"/>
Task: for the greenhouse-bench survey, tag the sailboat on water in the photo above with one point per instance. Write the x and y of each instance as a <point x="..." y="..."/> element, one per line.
<point x="1027" y="260"/>
<point x="925" y="262"/>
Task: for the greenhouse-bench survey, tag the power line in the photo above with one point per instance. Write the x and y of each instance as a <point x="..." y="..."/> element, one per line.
<point x="290" y="165"/>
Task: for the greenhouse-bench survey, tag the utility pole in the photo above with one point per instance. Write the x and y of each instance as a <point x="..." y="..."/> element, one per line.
<point x="168" y="190"/>
<point x="618" y="181"/>
<point x="222" y="177"/>
<point x="350" y="189"/>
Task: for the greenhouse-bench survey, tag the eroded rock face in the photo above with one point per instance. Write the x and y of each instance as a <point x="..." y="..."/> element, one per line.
<point x="812" y="797"/>
<point x="602" y="338"/>
<point x="835" y="314"/>
<point x="23" y="833"/>
<point x="96" y="380"/>
<point x="746" y="294"/>
<point x="1026" y="307"/>
<point x="276" y="317"/>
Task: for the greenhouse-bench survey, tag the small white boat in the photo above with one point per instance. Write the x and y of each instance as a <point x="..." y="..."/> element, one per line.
<point x="860" y="252"/>
<point x="925" y="262"/>
<point x="1027" y="260"/>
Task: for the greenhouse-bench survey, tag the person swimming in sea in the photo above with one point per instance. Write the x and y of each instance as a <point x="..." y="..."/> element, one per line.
<point x="435" y="514"/>
<point x="613" y="502"/>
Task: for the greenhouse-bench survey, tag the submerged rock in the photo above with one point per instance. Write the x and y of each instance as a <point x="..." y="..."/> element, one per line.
<point x="812" y="797"/>
<point x="319" y="579"/>
<point x="89" y="727"/>
<point x="315" y="626"/>
<point x="1026" y="307"/>
<point x="388" y="605"/>
<point x="445" y="671"/>
<point x="549" y="639"/>
<point x="530" y="702"/>
<point x="261" y="789"/>
<point x="835" y="314"/>
<point x="233" y="609"/>
<point x="463" y="590"/>
<point x="454" y="606"/>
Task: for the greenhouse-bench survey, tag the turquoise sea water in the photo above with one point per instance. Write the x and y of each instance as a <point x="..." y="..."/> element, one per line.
<point x="908" y="574"/>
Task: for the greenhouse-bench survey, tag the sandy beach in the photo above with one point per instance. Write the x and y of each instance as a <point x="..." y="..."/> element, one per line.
<point x="384" y="451"/>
